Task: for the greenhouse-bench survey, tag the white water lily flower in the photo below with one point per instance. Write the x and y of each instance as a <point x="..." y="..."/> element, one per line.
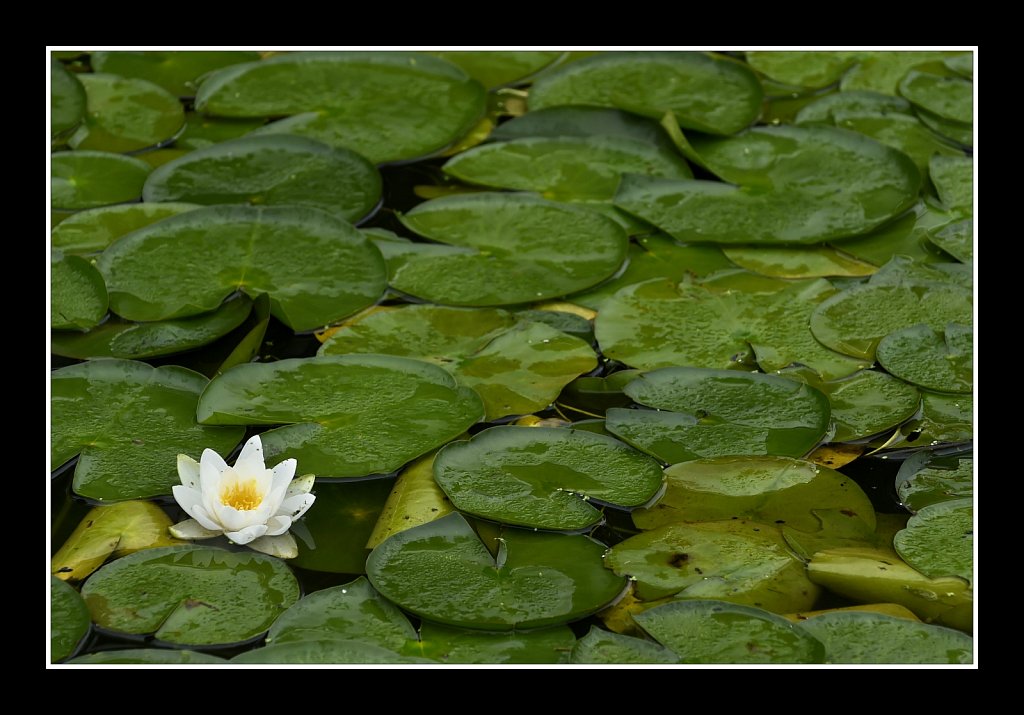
<point x="248" y="503"/>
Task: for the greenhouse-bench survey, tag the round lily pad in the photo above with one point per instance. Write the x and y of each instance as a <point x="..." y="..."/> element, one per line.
<point x="324" y="652"/>
<point x="93" y="230"/>
<point x="919" y="486"/>
<point x="797" y="262"/>
<point x="191" y="595"/>
<point x="852" y="637"/>
<point x="444" y="572"/>
<point x="544" y="477"/>
<point x="726" y="321"/>
<point x="956" y="239"/>
<point x="78" y="295"/>
<point x="835" y="107"/>
<point x="583" y="122"/>
<point x="506" y="249"/>
<point x="956" y="132"/>
<point x="271" y="171"/>
<point x="69" y="620"/>
<point x="202" y="131"/>
<point x="812" y="70"/>
<point x="516" y="367"/>
<point x="943" y="418"/>
<point x="954" y="181"/>
<point x="939" y="540"/>
<point x="147" y="656"/>
<point x="129" y="422"/>
<point x="564" y="168"/>
<point x="387" y="106"/>
<point x="126" y="114"/>
<point x="904" y="133"/>
<point x="943" y="362"/>
<point x="346" y="416"/>
<point x="705" y="92"/>
<point x="497" y="68"/>
<point x="67" y="101"/>
<point x="719" y="412"/>
<point x="719" y="632"/>
<point x="460" y="645"/>
<point x="87" y="179"/>
<point x="316" y="267"/>
<point x="951" y="98"/>
<point x="601" y="647"/>
<point x="177" y="72"/>
<point x="881" y="71"/>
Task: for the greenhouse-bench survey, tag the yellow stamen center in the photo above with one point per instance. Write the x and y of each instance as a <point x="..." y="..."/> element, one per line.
<point x="243" y="496"/>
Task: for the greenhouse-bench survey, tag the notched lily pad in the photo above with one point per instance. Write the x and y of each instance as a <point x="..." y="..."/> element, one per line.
<point x="851" y="637"/>
<point x="93" y="230"/>
<point x="87" y="179"/>
<point x="601" y="647"/>
<point x="78" y="295"/>
<point x="943" y="362"/>
<point x="939" y="540"/>
<point x="69" y="620"/>
<point x="126" y="114"/>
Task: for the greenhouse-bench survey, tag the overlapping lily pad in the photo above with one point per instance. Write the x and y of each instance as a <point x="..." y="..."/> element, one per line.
<point x="177" y="72"/>
<point x="706" y="92"/>
<point x="444" y="572"/>
<point x="387" y="106"/>
<point x="93" y="230"/>
<point x="813" y="70"/>
<point x="954" y="181"/>
<point x="497" y="68"/>
<point x="270" y="171"/>
<point x="316" y="267"/>
<point x="943" y="418"/>
<point x="601" y="647"/>
<point x="126" y="114"/>
<point x="346" y="416"/>
<point x="948" y="97"/>
<point x="324" y="652"/>
<point x="583" y="122"/>
<point x="87" y="179"/>
<point x="905" y="236"/>
<point x="544" y="477"/>
<point x="797" y="262"/>
<point x="191" y="595"/>
<point x="504" y="249"/>
<point x="516" y="367"/>
<point x="147" y="656"/>
<point x="881" y="71"/>
<point x="128" y="422"/>
<point x="851" y="637"/>
<point x="835" y="107"/>
<point x="67" y="101"/>
<point x="939" y="540"/>
<point x="905" y="133"/>
<point x="710" y="413"/>
<point x="941" y="480"/>
<point x="78" y="295"/>
<point x="69" y="620"/>
<point x="943" y="362"/>
<point x="956" y="239"/>
<point x="415" y="499"/>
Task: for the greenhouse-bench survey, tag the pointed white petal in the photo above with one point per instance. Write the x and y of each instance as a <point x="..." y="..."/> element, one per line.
<point x="282" y="546"/>
<point x="188" y="499"/>
<point x="284" y="472"/>
<point x="250" y="459"/>
<point x="278" y="525"/>
<point x="300" y="485"/>
<point x="188" y="471"/>
<point x="205" y="518"/>
<point x="192" y="529"/>
<point x="296" y="506"/>
<point x="211" y="471"/>
<point x="244" y="536"/>
<point x="234" y="519"/>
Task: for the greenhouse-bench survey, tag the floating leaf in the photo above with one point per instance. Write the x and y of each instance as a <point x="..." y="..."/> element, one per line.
<point x="950" y="98"/>
<point x="544" y="477"/>
<point x="116" y="530"/>
<point x="87" y="179"/>
<point x="600" y="647"/>
<point x="457" y="645"/>
<point x="798" y="262"/>
<point x="956" y="239"/>
<point x="128" y="422"/>
<point x="719" y="412"/>
<point x="719" y="632"/>
<point x="69" y="620"/>
<point x="584" y="122"/>
<point x="706" y="92"/>
<point x="939" y="540"/>
<point x="938" y="482"/>
<point x="954" y="181"/>
<point x="511" y="248"/>
<point x="886" y="609"/>
<point x="953" y="131"/>
<point x="191" y="595"/>
<point x="271" y="171"/>
<point x="943" y="362"/>
<point x="346" y="416"/>
<point x="125" y="114"/>
<point x="516" y="367"/>
<point x="906" y="236"/>
<point x="316" y="268"/>
<point x="177" y="72"/>
<point x="590" y="395"/>
<point x="202" y="131"/>
<point x="882" y="71"/>
<point x="498" y="68"/>
<point x="67" y="101"/>
<point x="415" y="499"/>
<point x="813" y="70"/>
<point x="443" y="572"/>
<point x="324" y="652"/>
<point x="93" y="230"/>
<point x="387" y="106"/>
<point x="833" y="108"/>
<point x="78" y="296"/>
<point x="147" y="656"/>
<point x="851" y="637"/>
<point x="944" y="418"/>
<point x="905" y="134"/>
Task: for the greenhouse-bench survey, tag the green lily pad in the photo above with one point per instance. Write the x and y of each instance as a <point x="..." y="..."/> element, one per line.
<point x="191" y="595"/>
<point x="78" y="295"/>
<point x="177" y="72"/>
<point x="954" y="182"/>
<point x="719" y="632"/>
<point x="119" y="338"/>
<point x="939" y="540"/>
<point x="905" y="236"/>
<point x="719" y="412"/>
<point x="202" y="131"/>
<point x="706" y="92"/>
<point x="963" y="65"/>
<point x="564" y="168"/>
<point x="324" y="652"/>
<point x="316" y="267"/>
<point x="727" y="321"/>
<point x="943" y="362"/>
<point x="950" y="98"/>
<point x="516" y="367"/>
<point x="588" y="395"/>
<point x="902" y="270"/>
<point x="67" y="101"/>
<point x="458" y="645"/>
<point x="87" y="179"/>
<point x="924" y="480"/>
<point x="852" y="637"/>
<point x="69" y="620"/>
<point x="833" y="108"/>
<point x="768" y="489"/>
<point x="544" y="477"/>
<point x="128" y="422"/>
<point x="271" y="171"/>
<point x="93" y="230"/>
<point x="956" y="239"/>
<point x="147" y="656"/>
<point x="736" y="560"/>
<point x="443" y="572"/>
<point x="904" y="133"/>
<point x="333" y="537"/>
<point x="584" y="122"/>
<point x="505" y="249"/>
<point x="387" y="106"/>
<point x="601" y="647"/>
<point x="881" y="71"/>
<point x="415" y="499"/>
<point x="956" y="132"/>
<point x="813" y="70"/>
<point x="346" y="416"/>
<point x="496" y="69"/>
<point x="943" y="418"/>
<point x="125" y="114"/>
<point x="565" y="322"/>
<point x="797" y="262"/>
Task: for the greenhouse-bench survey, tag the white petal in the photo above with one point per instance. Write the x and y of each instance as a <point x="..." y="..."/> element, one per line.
<point x="282" y="546"/>
<point x="300" y="485"/>
<point x="278" y="525"/>
<point x="244" y="536"/>
<point x="235" y="519"/>
<point x="192" y="529"/>
<point x="188" y="471"/>
<point x="191" y="501"/>
<point x="250" y="459"/>
<point x="296" y="506"/>
<point x="284" y="472"/>
<point x="205" y="518"/>
<point x="211" y="470"/>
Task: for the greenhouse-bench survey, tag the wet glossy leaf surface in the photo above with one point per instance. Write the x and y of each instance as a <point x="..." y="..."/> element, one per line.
<point x="324" y="652"/>
<point x="78" y="296"/>
<point x="940" y="361"/>
<point x="67" y="101"/>
<point x="87" y="179"/>
<point x="147" y="656"/>
<point x="939" y="540"/>
<point x="600" y="647"/>
<point x="414" y="499"/>
<point x="876" y="638"/>
<point x="813" y="70"/>
<point x="93" y="230"/>
<point x="69" y="620"/>
<point x="124" y="114"/>
<point x="951" y="98"/>
<point x="802" y="262"/>
<point x="953" y="178"/>
<point x="956" y="239"/>
<point x="882" y="71"/>
<point x="942" y="480"/>
<point x="494" y="69"/>
<point x="177" y="72"/>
